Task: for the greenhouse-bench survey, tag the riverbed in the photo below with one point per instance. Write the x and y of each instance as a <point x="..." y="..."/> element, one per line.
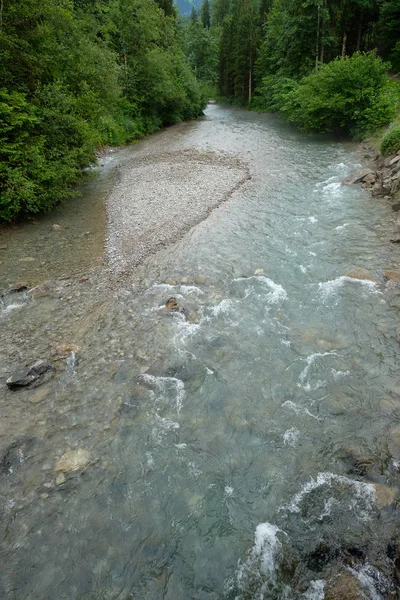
<point x="245" y="446"/>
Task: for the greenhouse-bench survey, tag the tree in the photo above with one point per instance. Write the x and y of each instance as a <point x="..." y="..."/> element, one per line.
<point x="205" y="14"/>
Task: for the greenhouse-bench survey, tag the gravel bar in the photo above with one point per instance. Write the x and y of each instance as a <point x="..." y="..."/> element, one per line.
<point x="158" y="198"/>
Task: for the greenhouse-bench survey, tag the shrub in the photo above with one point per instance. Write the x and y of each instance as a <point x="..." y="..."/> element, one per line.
<point x="391" y="141"/>
<point x="352" y="95"/>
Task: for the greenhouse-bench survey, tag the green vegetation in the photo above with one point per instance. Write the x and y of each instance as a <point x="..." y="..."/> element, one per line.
<point x="391" y="140"/>
<point x="79" y="74"/>
<point x="351" y="95"/>
<point x="322" y="65"/>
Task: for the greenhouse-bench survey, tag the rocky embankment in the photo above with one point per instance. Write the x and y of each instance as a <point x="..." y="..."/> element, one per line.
<point x="382" y="179"/>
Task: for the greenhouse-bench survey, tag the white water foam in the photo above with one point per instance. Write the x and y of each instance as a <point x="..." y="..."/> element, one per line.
<point x="162" y="384"/>
<point x="315" y="591"/>
<point x="313" y="219"/>
<point x="299" y="409"/>
<point x="342" y="227"/>
<point x="10" y="308"/>
<point x="329" y="180"/>
<point x="339" y="374"/>
<point x="332" y="188"/>
<point x="330" y="287"/>
<point x="291" y="436"/>
<point x="369" y="577"/>
<point x="190" y="289"/>
<point x="310" y="360"/>
<point x="223" y="307"/>
<point x="362" y="492"/>
<point x="277" y="292"/>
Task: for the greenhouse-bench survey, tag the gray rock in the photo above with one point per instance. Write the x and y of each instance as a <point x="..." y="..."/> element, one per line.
<point x="377" y="190"/>
<point x="357" y="176"/>
<point x="19" y="286"/>
<point x="29" y="375"/>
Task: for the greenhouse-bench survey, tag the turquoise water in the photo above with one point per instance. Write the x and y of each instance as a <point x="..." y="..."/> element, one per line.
<point x="233" y="449"/>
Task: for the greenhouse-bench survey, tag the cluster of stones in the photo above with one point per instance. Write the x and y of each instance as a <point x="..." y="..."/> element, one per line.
<point x="382" y="180"/>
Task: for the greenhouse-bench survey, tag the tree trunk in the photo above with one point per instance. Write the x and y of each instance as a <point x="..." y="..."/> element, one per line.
<point x="250" y="85"/>
<point x="321" y="56"/>
<point x="359" y="32"/>
<point x="317" y="45"/>
<point x="344" y="44"/>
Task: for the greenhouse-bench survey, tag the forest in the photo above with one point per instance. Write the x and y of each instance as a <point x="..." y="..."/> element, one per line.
<point x="322" y="64"/>
<point x="76" y="75"/>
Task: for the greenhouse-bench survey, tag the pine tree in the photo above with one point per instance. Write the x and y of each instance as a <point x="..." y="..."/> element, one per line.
<point x="205" y="14"/>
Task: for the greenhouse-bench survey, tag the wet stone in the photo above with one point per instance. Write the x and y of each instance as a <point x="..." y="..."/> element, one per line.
<point x="73" y="460"/>
<point x="384" y="495"/>
<point x="60" y="479"/>
<point x="19" y="286"/>
<point x="172" y="305"/>
<point x="29" y="376"/>
<point x="392" y="274"/>
<point x="361" y="273"/>
<point x="343" y="587"/>
<point x="16" y="455"/>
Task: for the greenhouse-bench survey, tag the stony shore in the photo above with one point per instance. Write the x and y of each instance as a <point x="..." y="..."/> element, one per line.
<point x="381" y="177"/>
<point x="159" y="197"/>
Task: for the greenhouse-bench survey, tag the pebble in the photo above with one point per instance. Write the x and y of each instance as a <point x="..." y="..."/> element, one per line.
<point x="73" y="460"/>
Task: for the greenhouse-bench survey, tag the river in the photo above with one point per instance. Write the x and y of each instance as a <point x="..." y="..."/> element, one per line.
<point x="246" y="449"/>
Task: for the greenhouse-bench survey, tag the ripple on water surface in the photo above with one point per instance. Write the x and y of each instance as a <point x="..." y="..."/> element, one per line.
<point x="243" y="448"/>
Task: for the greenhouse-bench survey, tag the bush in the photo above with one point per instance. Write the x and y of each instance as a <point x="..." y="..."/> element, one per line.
<point x="391" y="141"/>
<point x="349" y="95"/>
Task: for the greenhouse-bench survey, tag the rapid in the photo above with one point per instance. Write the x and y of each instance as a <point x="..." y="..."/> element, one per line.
<point x="245" y="448"/>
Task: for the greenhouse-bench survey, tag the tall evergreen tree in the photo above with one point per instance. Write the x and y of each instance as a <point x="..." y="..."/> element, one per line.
<point x="205" y="14"/>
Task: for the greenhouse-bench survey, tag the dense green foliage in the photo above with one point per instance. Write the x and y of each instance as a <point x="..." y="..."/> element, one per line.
<point x="266" y="46"/>
<point x="75" y="75"/>
<point x="319" y="63"/>
<point x="351" y="94"/>
<point x="391" y="141"/>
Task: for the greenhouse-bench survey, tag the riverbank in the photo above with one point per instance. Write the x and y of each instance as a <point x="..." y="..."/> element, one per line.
<point x="381" y="177"/>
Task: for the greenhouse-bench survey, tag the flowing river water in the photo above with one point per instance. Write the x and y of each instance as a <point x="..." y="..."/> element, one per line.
<point x="247" y="449"/>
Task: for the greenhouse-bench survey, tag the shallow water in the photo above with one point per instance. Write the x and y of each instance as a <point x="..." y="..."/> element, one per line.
<point x="233" y="448"/>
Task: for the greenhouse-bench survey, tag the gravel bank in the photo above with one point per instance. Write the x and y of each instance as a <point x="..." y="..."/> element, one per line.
<point x="160" y="197"/>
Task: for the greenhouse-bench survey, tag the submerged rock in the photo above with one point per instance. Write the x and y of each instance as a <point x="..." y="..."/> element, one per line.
<point x="384" y="495"/>
<point x="15" y="455"/>
<point x="30" y="375"/>
<point x="43" y="289"/>
<point x="361" y="273"/>
<point x="60" y="479"/>
<point x="344" y="586"/>
<point x="73" y="460"/>
<point x="62" y="350"/>
<point x="392" y="274"/>
<point x="172" y="305"/>
<point x="19" y="286"/>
